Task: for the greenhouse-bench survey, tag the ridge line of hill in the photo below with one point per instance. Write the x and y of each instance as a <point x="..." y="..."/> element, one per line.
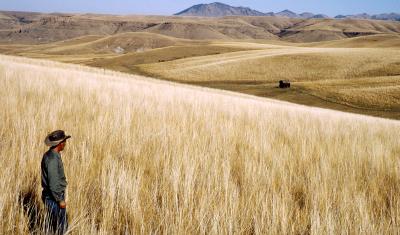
<point x="218" y="9"/>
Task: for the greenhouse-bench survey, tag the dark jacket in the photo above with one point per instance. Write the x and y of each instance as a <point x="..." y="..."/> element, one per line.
<point x="53" y="177"/>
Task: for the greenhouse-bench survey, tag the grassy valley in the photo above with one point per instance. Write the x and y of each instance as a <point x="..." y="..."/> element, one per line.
<point x="359" y="75"/>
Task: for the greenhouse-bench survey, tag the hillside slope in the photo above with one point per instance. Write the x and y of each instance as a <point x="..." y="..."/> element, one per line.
<point x="359" y="75"/>
<point x="118" y="44"/>
<point x="159" y="157"/>
<point x="362" y="80"/>
<point x="37" y="28"/>
<point x="372" y="41"/>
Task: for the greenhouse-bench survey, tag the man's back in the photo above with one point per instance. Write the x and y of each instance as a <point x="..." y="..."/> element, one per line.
<point x="53" y="177"/>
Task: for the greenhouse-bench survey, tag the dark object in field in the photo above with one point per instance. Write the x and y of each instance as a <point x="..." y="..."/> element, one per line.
<point x="284" y="84"/>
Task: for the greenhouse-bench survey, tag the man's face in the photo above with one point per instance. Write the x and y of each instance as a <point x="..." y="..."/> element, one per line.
<point x="62" y="145"/>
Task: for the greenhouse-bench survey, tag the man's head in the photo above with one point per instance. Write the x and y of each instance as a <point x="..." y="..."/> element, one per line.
<point x="60" y="147"/>
<point x="57" y="140"/>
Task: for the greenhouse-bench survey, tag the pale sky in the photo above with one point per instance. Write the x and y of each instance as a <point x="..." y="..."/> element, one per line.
<point x="158" y="7"/>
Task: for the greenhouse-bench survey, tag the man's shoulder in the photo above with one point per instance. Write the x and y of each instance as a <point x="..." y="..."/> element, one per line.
<point x="50" y="155"/>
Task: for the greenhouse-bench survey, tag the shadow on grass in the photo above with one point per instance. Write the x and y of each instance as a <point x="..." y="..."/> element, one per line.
<point x="30" y="202"/>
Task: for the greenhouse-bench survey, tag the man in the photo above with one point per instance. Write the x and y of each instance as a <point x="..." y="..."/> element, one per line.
<point x="54" y="183"/>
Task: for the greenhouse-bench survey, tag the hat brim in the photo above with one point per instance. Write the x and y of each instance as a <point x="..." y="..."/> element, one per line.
<point x="55" y="143"/>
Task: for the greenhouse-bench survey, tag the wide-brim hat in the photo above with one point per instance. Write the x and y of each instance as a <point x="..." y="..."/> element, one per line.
<point x="56" y="137"/>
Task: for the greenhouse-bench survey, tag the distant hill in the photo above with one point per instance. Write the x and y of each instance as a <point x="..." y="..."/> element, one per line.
<point x="320" y="16"/>
<point x="287" y="13"/>
<point x="38" y="28"/>
<point x="385" y="16"/>
<point x="391" y="16"/>
<point x="218" y="9"/>
<point x="307" y="15"/>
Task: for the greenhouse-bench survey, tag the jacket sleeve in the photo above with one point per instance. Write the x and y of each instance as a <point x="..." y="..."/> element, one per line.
<point x="54" y="176"/>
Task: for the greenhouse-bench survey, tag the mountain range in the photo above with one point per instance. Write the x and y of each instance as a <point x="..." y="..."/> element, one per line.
<point x="218" y="9"/>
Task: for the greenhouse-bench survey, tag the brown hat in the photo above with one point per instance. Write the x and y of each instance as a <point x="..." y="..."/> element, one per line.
<point x="56" y="137"/>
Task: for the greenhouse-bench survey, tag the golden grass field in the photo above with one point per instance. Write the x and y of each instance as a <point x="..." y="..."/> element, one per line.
<point x="148" y="156"/>
<point x="362" y="80"/>
<point x="358" y="75"/>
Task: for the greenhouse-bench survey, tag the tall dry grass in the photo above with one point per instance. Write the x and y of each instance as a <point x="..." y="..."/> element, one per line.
<point x="154" y="157"/>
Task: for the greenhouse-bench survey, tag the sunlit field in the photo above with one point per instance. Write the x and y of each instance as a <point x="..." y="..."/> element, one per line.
<point x="362" y="80"/>
<point x="357" y="75"/>
<point x="154" y="157"/>
<point x="293" y="63"/>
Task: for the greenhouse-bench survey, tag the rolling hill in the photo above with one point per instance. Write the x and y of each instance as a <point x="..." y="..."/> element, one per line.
<point x="323" y="58"/>
<point x="334" y="75"/>
<point x="38" y="28"/>
<point x="373" y="41"/>
<point x="331" y="74"/>
<point x="119" y="44"/>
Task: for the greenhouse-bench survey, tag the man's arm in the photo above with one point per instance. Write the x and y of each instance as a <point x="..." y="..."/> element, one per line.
<point x="57" y="190"/>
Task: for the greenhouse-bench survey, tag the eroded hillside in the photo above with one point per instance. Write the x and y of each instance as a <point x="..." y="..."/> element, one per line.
<point x="36" y="28"/>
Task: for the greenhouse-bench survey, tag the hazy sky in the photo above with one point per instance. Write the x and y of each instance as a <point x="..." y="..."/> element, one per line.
<point x="158" y="7"/>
